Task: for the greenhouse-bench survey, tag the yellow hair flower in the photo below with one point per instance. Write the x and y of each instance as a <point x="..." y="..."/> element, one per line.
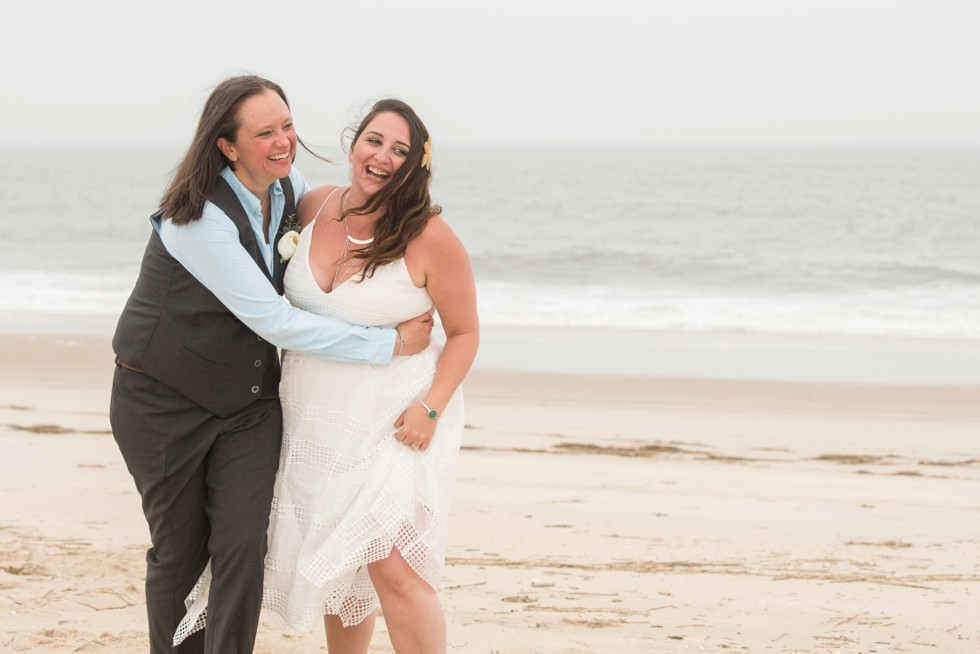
<point x="427" y="155"/>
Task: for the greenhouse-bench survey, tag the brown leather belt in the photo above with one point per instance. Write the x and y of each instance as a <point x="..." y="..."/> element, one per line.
<point x="127" y="366"/>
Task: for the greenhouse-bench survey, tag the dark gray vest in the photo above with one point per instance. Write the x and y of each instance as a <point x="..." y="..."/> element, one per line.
<point x="179" y="333"/>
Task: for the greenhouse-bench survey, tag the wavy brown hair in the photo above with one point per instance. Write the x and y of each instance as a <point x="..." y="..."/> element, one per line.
<point x="404" y="200"/>
<point x="195" y="175"/>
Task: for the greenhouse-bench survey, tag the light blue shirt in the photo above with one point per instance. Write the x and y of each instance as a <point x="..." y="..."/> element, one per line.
<point x="210" y="250"/>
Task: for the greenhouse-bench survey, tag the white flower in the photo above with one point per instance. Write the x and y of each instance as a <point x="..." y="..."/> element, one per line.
<point x="287" y="245"/>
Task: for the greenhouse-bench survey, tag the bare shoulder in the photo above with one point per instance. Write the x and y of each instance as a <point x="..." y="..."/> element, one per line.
<point x="315" y="197"/>
<point x="438" y="233"/>
<point x="438" y="246"/>
<point x="436" y="254"/>
<point x="310" y="204"/>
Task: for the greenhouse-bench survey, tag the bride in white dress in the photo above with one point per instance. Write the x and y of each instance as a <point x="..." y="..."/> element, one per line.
<point x="369" y="452"/>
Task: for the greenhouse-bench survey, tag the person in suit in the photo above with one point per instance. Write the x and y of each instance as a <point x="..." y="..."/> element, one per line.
<point x="195" y="396"/>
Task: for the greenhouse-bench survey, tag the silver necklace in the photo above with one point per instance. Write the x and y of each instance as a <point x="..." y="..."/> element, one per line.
<point x="349" y="270"/>
<point x="343" y="212"/>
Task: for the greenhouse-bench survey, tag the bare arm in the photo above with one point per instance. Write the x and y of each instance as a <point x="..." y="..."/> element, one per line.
<point x="449" y="281"/>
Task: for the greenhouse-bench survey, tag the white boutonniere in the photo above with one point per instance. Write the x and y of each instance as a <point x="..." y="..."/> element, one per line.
<point x="290" y="239"/>
<point x="287" y="245"/>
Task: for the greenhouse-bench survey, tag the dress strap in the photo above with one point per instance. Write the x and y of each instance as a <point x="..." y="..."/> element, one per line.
<point x="323" y="204"/>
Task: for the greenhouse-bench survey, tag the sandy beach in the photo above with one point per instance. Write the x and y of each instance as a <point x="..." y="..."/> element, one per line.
<point x="594" y="513"/>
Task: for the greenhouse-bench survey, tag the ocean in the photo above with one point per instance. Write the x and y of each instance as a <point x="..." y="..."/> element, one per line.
<point x="863" y="242"/>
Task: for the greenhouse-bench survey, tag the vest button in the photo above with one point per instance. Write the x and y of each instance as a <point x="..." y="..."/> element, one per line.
<point x="258" y="362"/>
<point x="255" y="389"/>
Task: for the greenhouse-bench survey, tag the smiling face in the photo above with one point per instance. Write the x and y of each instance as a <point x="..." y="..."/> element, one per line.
<point x="379" y="151"/>
<point x="265" y="143"/>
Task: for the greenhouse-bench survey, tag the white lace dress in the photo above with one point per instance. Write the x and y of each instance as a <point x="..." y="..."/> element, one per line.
<point x="347" y="491"/>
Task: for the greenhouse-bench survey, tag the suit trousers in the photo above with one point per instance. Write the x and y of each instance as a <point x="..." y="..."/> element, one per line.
<point x="206" y="485"/>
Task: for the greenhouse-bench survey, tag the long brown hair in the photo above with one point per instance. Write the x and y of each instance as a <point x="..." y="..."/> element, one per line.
<point x="405" y="199"/>
<point x="195" y="175"/>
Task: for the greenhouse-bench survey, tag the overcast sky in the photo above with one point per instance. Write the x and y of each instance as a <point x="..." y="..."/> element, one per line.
<point x="505" y="71"/>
